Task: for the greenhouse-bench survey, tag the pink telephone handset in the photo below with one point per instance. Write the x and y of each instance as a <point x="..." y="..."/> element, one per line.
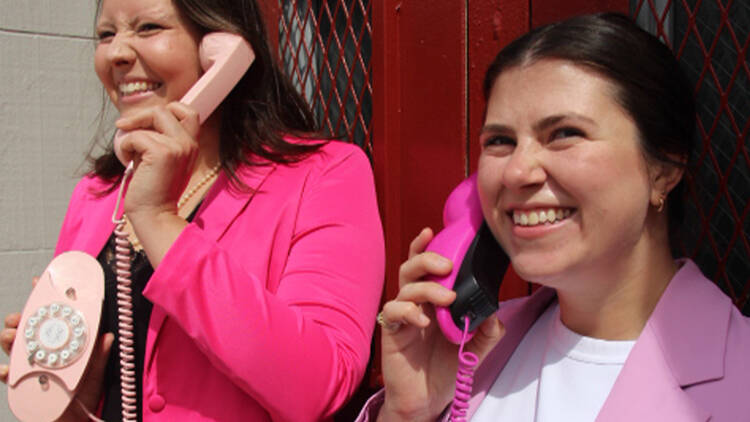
<point x="60" y="321"/>
<point x="479" y="264"/>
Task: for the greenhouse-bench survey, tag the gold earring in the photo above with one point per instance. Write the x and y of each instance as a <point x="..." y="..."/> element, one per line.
<point x="660" y="207"/>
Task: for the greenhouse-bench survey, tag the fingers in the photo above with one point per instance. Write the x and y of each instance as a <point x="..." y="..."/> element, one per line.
<point x="8" y="334"/>
<point x="12" y="320"/>
<point x="406" y="309"/>
<point x="487" y="336"/>
<point x="188" y="117"/>
<point x="6" y="339"/>
<point x="420" y="242"/>
<point x="421" y="265"/>
<point x="427" y="292"/>
<point x="173" y="120"/>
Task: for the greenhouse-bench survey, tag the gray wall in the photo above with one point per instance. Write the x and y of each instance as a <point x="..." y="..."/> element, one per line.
<point x="49" y="103"/>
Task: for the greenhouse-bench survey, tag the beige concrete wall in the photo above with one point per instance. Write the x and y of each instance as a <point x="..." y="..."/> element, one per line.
<point x="49" y="102"/>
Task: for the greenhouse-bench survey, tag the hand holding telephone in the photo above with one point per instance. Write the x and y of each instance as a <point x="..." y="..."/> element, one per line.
<point x="60" y="321"/>
<point x="479" y="265"/>
<point x="225" y="58"/>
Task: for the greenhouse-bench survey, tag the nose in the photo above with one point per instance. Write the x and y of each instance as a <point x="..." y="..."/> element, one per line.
<point x="524" y="167"/>
<point x="120" y="51"/>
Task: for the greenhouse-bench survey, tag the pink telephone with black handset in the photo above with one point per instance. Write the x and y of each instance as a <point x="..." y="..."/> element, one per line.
<point x="60" y="321"/>
<point x="479" y="265"/>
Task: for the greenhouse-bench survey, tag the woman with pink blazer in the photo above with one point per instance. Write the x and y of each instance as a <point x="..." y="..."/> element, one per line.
<point x="257" y="249"/>
<point x="587" y="135"/>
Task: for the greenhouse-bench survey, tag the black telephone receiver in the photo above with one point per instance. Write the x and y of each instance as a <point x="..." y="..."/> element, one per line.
<point x="479" y="263"/>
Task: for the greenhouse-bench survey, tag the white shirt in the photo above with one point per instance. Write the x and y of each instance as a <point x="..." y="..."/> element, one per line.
<point x="554" y="375"/>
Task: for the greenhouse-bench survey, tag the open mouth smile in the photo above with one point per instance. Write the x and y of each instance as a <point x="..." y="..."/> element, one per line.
<point x="540" y="216"/>
<point x="133" y="88"/>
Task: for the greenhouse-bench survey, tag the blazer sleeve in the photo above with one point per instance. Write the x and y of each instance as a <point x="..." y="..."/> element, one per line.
<point x="301" y="351"/>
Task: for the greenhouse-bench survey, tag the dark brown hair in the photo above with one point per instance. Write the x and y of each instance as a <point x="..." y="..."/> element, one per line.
<point x="260" y="110"/>
<point x="649" y="83"/>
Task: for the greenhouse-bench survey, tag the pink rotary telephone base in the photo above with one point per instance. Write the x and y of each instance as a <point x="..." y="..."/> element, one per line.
<point x="55" y="337"/>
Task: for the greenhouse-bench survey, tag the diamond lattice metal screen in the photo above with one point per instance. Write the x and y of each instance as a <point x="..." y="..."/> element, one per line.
<point x="326" y="46"/>
<point x="710" y="38"/>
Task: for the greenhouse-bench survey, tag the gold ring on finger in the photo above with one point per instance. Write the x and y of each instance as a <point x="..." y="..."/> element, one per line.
<point x="390" y="326"/>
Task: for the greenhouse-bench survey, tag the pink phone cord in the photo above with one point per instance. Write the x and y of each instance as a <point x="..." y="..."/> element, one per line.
<point x="125" y="311"/>
<point x="467" y="362"/>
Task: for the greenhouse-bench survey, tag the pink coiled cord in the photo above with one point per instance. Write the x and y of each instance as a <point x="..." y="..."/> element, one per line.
<point x="125" y="310"/>
<point x="467" y="363"/>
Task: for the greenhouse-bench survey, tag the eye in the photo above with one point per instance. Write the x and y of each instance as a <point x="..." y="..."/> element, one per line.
<point x="103" y="36"/>
<point x="567" y="132"/>
<point x="498" y="140"/>
<point x="149" y="27"/>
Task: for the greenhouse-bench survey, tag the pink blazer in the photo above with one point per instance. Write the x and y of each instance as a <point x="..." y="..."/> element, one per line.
<point x="691" y="363"/>
<point x="264" y="306"/>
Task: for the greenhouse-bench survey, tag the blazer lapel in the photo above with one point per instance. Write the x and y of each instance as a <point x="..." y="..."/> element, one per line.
<point x="91" y="230"/>
<point x="221" y="206"/>
<point x="225" y="202"/>
<point x="688" y="325"/>
<point x="646" y="389"/>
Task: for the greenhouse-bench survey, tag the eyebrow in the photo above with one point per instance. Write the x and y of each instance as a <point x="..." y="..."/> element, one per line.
<point x="541" y="125"/>
<point x="150" y="14"/>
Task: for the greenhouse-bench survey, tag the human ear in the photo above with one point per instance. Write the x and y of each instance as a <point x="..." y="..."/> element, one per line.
<point x="664" y="177"/>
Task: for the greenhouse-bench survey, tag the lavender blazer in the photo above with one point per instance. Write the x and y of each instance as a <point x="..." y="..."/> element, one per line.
<point x="264" y="306"/>
<point x="691" y="363"/>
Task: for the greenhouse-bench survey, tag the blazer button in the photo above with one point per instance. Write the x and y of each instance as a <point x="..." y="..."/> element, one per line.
<point x="156" y="403"/>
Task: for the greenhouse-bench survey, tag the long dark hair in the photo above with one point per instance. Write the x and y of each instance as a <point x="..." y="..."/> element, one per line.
<point x="260" y="110"/>
<point x="649" y="83"/>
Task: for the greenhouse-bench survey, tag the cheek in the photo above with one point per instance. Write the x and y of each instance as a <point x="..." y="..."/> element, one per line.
<point x="100" y="65"/>
<point x="178" y="65"/>
<point x="103" y="72"/>
<point x="489" y="187"/>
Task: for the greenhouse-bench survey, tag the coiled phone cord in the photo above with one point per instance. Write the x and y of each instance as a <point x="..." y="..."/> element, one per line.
<point x="467" y="363"/>
<point x="125" y="309"/>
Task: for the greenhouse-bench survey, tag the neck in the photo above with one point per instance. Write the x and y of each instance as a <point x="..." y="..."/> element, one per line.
<point x="205" y="163"/>
<point x="614" y="301"/>
<point x="208" y="147"/>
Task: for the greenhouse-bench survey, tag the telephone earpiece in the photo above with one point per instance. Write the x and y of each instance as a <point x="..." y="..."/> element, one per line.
<point x="225" y="58"/>
<point x="55" y="337"/>
<point x="479" y="263"/>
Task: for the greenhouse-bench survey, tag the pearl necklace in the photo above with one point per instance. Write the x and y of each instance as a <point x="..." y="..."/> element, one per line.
<point x="190" y="192"/>
<point x="183" y="199"/>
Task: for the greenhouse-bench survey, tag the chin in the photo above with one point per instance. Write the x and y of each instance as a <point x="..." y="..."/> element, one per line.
<point x="546" y="271"/>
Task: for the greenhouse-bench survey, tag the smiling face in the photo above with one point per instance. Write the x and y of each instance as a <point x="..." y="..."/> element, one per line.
<point x="147" y="53"/>
<point x="562" y="179"/>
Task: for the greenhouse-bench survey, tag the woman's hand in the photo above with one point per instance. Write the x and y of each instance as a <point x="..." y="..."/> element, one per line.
<point x="163" y="143"/>
<point x="419" y="364"/>
<point x="90" y="391"/>
<point x="8" y="335"/>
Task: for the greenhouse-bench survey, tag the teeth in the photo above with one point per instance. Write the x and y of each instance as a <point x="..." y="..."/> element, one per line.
<point x="136" y="87"/>
<point x="533" y="218"/>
